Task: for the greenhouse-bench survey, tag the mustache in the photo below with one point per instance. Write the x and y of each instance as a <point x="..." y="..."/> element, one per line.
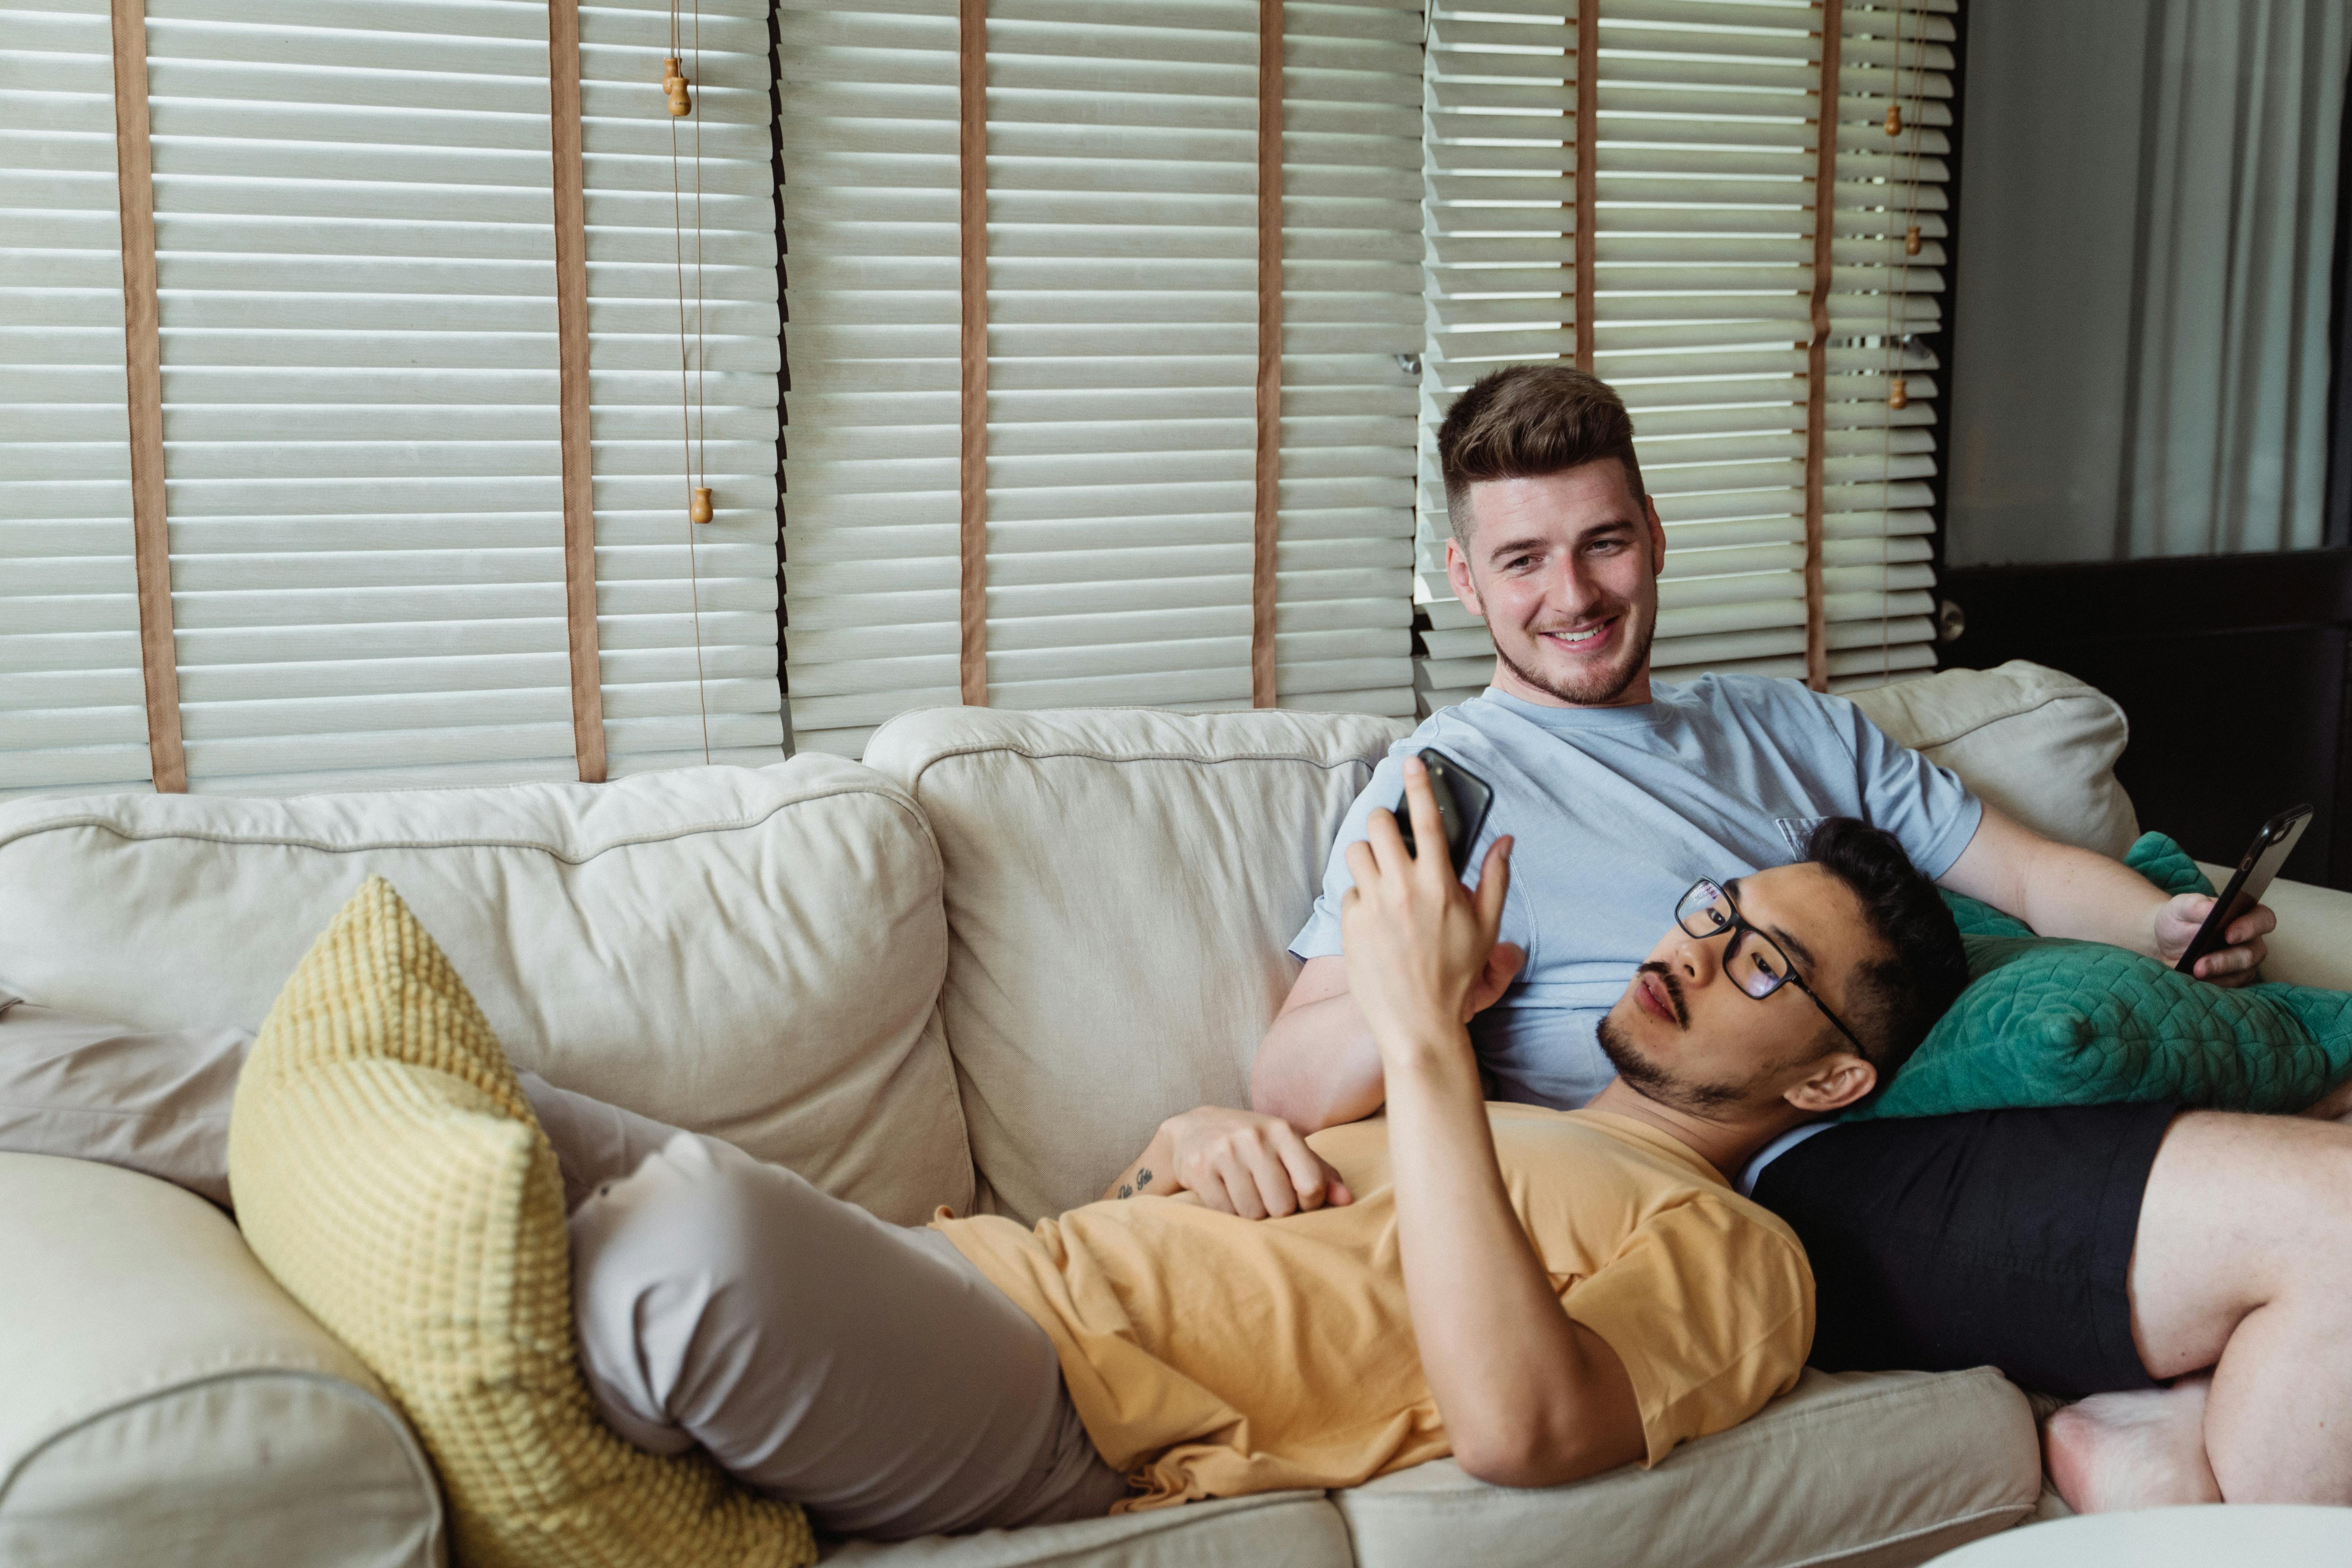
<point x="1673" y="987"/>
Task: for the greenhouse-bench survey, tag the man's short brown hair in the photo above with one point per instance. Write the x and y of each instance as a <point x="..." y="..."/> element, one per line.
<point x="1524" y="422"/>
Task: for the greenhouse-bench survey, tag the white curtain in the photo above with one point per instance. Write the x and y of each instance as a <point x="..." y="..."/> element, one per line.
<point x="2147" y="214"/>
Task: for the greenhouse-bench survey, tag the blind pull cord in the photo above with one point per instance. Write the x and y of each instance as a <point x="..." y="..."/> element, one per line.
<point x="691" y="404"/>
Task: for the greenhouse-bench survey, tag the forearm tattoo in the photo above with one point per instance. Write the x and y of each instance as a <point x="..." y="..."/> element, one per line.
<point x="1142" y="1180"/>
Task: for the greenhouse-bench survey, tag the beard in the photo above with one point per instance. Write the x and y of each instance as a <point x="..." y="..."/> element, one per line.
<point x="1599" y="687"/>
<point x="1656" y="1082"/>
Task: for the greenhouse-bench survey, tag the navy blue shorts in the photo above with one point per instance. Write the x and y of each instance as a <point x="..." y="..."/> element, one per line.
<point x="1994" y="1237"/>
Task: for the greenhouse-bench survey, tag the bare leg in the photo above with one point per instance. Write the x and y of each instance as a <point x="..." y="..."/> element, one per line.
<point x="2242" y="1262"/>
<point x="2141" y="1449"/>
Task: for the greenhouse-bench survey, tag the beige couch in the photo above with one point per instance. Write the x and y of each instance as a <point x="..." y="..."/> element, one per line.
<point x="976" y="971"/>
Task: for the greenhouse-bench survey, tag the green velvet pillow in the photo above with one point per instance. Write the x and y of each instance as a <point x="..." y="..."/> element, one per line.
<point x="2050" y="1022"/>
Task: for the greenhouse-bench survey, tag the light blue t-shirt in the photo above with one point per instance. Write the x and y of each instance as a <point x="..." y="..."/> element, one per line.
<point x="1616" y="811"/>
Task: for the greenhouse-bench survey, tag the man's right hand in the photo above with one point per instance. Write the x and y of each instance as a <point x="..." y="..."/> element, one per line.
<point x="1242" y="1162"/>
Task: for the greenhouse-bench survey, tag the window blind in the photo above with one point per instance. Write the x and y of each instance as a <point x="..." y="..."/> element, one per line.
<point x="1701" y="259"/>
<point x="354" y="261"/>
<point x="72" y="706"/>
<point x="1121" y="156"/>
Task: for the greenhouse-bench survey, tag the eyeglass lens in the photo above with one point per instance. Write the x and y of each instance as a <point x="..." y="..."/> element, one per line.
<point x="1755" y="963"/>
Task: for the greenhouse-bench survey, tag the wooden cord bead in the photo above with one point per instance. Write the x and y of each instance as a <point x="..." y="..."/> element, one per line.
<point x="1911" y="240"/>
<point x="1896" y="397"/>
<point x="1895" y="120"/>
<point x="674" y="83"/>
<point x="699" y="509"/>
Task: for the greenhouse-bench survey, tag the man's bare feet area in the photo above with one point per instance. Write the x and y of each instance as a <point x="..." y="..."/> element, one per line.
<point x="2132" y="1450"/>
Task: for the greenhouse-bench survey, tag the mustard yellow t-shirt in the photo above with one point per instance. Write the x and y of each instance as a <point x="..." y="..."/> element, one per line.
<point x="1210" y="1356"/>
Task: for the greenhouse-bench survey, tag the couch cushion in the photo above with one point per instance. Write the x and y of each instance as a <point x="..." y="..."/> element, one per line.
<point x="167" y="1405"/>
<point x="389" y="1172"/>
<point x="752" y="953"/>
<point x="1120" y="885"/>
<point x="1878" y="1468"/>
<point x="2039" y="744"/>
<point x="1294" y="1530"/>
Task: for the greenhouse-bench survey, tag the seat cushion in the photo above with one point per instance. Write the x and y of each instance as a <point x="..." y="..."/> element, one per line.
<point x="1120" y="885"/>
<point x="2039" y="744"/>
<point x="1877" y="1469"/>
<point x="163" y="1404"/>
<point x="1294" y="1530"/>
<point x="750" y="952"/>
<point x="388" y="1172"/>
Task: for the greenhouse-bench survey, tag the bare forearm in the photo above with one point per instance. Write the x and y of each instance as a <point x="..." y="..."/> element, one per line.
<point x="1318" y="1066"/>
<point x="2056" y="888"/>
<point x="1525" y="1392"/>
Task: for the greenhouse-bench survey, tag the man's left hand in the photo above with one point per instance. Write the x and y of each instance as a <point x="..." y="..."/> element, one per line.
<point x="2240" y="964"/>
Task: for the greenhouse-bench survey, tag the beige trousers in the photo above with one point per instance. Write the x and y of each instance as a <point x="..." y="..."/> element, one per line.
<point x="864" y="1369"/>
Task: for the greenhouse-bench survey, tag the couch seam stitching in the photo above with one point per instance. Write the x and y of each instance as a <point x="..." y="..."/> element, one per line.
<point x="691" y="830"/>
<point x="2073" y="694"/>
<point x="982" y="747"/>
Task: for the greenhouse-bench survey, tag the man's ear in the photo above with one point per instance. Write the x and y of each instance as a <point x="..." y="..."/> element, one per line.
<point x="1457" y="573"/>
<point x="1832" y="1083"/>
<point x="1657" y="537"/>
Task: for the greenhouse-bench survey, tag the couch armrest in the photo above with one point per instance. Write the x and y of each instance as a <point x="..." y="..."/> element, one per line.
<point x="2313" y="944"/>
<point x="162" y="1402"/>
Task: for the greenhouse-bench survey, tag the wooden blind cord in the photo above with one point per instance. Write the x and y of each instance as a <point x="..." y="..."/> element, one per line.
<point x="571" y="381"/>
<point x="1826" y="139"/>
<point x="691" y="422"/>
<point x="1266" y="513"/>
<point x="143" y="359"/>
<point x="1588" y="171"/>
<point x="972" y="152"/>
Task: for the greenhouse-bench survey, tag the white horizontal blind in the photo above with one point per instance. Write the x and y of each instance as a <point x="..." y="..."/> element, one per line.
<point x="1703" y="275"/>
<point x="354" y="250"/>
<point x="1878" y="586"/>
<point x="354" y="263"/>
<point x="73" y="703"/>
<point x="653" y="566"/>
<point x="1351" y="307"/>
<point x="1499" y="161"/>
<point x="1122" y="336"/>
<point x="871" y="306"/>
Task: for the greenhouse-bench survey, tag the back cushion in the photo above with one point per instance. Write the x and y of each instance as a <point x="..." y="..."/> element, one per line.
<point x="1120" y="887"/>
<point x="2039" y="744"/>
<point x="752" y="952"/>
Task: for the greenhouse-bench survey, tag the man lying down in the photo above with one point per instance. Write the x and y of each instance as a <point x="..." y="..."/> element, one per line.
<point x="1583" y="1288"/>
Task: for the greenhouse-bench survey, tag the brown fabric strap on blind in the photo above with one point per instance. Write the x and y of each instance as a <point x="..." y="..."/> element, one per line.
<point x="1588" y="171"/>
<point x="971" y="153"/>
<point x="1266" y="510"/>
<point x="1826" y="139"/>
<point x="142" y="361"/>
<point x="571" y="383"/>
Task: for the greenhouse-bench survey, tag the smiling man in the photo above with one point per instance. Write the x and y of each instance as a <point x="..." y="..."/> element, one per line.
<point x="2105" y="1250"/>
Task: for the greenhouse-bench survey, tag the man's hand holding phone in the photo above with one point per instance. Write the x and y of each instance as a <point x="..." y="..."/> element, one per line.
<point x="2179" y="922"/>
<point x="1420" y="947"/>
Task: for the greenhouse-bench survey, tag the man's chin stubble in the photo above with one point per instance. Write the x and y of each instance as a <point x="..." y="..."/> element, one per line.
<point x="1608" y="685"/>
<point x="1654" y="1082"/>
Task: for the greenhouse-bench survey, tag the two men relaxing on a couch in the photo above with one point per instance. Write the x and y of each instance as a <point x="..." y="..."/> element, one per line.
<point x="2100" y="1250"/>
<point x="1483" y="1280"/>
<point x="975" y="1373"/>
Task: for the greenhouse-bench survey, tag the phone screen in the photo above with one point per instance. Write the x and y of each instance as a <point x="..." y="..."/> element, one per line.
<point x="2256" y="871"/>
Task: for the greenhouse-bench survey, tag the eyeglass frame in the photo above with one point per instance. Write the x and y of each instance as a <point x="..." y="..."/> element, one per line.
<point x="1741" y="925"/>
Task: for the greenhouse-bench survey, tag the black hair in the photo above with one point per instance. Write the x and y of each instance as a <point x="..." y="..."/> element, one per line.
<point x="1922" y="969"/>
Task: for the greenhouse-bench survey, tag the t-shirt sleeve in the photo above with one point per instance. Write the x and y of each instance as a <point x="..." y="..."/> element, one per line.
<point x="1710" y="1309"/>
<point x="1319" y="938"/>
<point x="1930" y="812"/>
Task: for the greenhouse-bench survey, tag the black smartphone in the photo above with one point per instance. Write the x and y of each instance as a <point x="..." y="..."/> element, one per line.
<point x="1463" y="798"/>
<point x="2261" y="862"/>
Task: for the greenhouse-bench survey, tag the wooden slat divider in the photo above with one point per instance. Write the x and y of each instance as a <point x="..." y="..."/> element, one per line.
<point x="571" y="384"/>
<point x="1266" y="512"/>
<point x="971" y="151"/>
<point x="142" y="361"/>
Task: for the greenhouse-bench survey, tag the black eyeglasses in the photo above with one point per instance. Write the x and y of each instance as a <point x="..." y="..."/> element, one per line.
<point x="1753" y="960"/>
